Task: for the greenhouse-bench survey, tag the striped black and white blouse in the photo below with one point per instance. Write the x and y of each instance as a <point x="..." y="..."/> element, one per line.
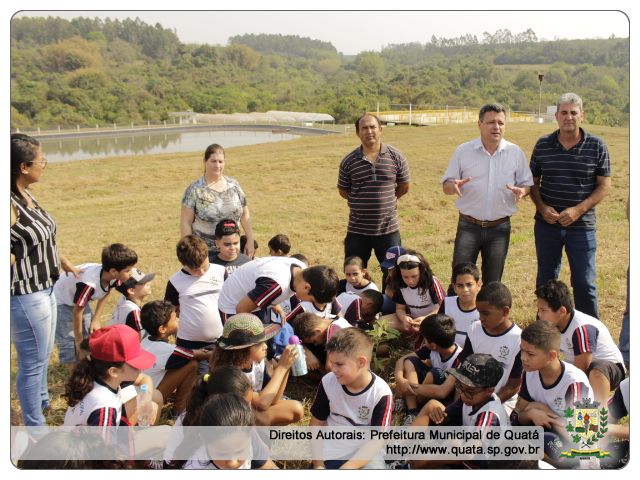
<point x="33" y="243"/>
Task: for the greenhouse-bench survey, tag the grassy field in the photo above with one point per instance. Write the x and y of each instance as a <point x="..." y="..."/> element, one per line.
<point x="291" y="189"/>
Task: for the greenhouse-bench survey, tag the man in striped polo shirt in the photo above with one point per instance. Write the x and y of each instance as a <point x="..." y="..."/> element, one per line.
<point x="572" y="174"/>
<point x="371" y="178"/>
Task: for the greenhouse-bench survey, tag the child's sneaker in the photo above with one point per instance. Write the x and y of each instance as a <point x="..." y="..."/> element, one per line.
<point x="399" y="405"/>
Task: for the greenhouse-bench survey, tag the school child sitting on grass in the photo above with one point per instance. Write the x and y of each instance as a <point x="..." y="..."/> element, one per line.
<point x="175" y="368"/>
<point x="478" y="406"/>
<point x="96" y="391"/>
<point x="361" y="310"/>
<point x="228" y="448"/>
<point x="351" y="394"/>
<point x="497" y="335"/>
<point x="194" y="291"/>
<point x="315" y="332"/>
<point x="134" y="290"/>
<point x="227" y="241"/>
<point x="243" y="344"/>
<point x="225" y="379"/>
<point x="549" y="386"/>
<point x="357" y="278"/>
<point x="417" y="292"/>
<point x="586" y="341"/>
<point x="421" y="375"/>
<point x="279" y="245"/>
<point x="73" y="295"/>
<point x="462" y="307"/>
<point x="262" y="285"/>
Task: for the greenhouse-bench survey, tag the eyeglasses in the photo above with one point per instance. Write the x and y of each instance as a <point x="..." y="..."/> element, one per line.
<point x="42" y="162"/>
<point x="466" y="391"/>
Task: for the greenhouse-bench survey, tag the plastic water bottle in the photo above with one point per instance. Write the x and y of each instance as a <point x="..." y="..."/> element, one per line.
<point x="299" y="366"/>
<point x="144" y="408"/>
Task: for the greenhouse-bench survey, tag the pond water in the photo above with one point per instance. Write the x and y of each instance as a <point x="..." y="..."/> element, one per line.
<point x="145" y="143"/>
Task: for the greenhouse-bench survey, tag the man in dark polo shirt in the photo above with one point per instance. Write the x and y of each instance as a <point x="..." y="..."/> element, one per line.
<point x="372" y="178"/>
<point x="572" y="174"/>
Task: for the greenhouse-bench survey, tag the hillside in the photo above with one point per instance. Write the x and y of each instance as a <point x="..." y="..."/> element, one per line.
<point x="91" y="71"/>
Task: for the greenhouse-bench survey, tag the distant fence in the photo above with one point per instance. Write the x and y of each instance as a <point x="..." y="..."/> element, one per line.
<point x="449" y="116"/>
<point x="55" y="130"/>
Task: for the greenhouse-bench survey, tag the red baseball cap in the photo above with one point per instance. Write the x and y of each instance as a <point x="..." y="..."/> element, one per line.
<point x="120" y="343"/>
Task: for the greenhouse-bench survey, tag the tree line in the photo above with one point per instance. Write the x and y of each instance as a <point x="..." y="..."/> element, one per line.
<point x="93" y="71"/>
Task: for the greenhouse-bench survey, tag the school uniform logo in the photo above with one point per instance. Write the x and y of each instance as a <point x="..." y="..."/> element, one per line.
<point x="503" y="353"/>
<point x="587" y="425"/>
<point x="363" y="413"/>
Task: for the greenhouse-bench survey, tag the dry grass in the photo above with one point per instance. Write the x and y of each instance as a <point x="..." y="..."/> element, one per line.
<point x="291" y="187"/>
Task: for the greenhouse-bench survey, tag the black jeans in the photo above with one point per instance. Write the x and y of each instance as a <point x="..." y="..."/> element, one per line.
<point x="493" y="242"/>
<point x="361" y="245"/>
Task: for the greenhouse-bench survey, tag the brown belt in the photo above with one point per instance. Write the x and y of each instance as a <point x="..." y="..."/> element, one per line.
<point x="484" y="223"/>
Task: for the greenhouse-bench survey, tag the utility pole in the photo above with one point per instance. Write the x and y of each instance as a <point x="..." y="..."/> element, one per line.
<point x="540" y="78"/>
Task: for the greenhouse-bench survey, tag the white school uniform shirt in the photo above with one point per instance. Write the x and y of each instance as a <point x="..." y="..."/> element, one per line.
<point x="573" y="385"/>
<point x="419" y="304"/>
<point x="443" y="363"/>
<point x="124" y="307"/>
<point x="66" y="287"/>
<point x="463" y="318"/>
<point x="163" y="351"/>
<point x="358" y="290"/>
<point x="505" y="348"/>
<point x="585" y="333"/>
<point x="103" y="398"/>
<point x="484" y="415"/>
<point x="198" y="298"/>
<point x="243" y="280"/>
<point x="485" y="196"/>
<point x="256" y="375"/>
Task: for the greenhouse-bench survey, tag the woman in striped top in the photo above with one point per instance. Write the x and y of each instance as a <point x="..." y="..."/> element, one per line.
<point x="35" y="266"/>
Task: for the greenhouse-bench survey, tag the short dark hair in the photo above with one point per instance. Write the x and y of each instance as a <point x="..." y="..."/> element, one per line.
<point x="226" y="227"/>
<point x="495" y="294"/>
<point x="118" y="256"/>
<point x="304" y="323"/>
<point x="439" y="329"/>
<point x="301" y="257"/>
<point x="280" y="242"/>
<point x="491" y="107"/>
<point x="376" y="298"/>
<point x="192" y="251"/>
<point x="155" y="314"/>
<point x="556" y="293"/>
<point x="351" y="342"/>
<point x="367" y="115"/>
<point x="324" y="282"/>
<point x="466" y="268"/>
<point x="543" y="335"/>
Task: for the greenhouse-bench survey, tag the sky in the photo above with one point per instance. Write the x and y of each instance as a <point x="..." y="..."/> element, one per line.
<point x="352" y="32"/>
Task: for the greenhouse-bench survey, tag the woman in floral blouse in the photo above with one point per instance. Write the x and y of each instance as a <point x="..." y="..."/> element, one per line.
<point x="214" y="197"/>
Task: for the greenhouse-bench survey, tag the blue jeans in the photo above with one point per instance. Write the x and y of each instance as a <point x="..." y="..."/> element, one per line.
<point x="493" y="243"/>
<point x="64" y="332"/>
<point x="580" y="245"/>
<point x="33" y="323"/>
<point x="623" y="342"/>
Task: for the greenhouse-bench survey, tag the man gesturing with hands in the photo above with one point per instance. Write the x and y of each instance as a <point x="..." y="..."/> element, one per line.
<point x="489" y="175"/>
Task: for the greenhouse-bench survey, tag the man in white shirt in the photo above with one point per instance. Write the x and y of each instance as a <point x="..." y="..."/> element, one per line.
<point x="489" y="175"/>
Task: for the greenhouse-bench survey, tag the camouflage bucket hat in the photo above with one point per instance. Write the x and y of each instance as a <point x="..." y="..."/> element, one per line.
<point x="478" y="370"/>
<point x="245" y="329"/>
